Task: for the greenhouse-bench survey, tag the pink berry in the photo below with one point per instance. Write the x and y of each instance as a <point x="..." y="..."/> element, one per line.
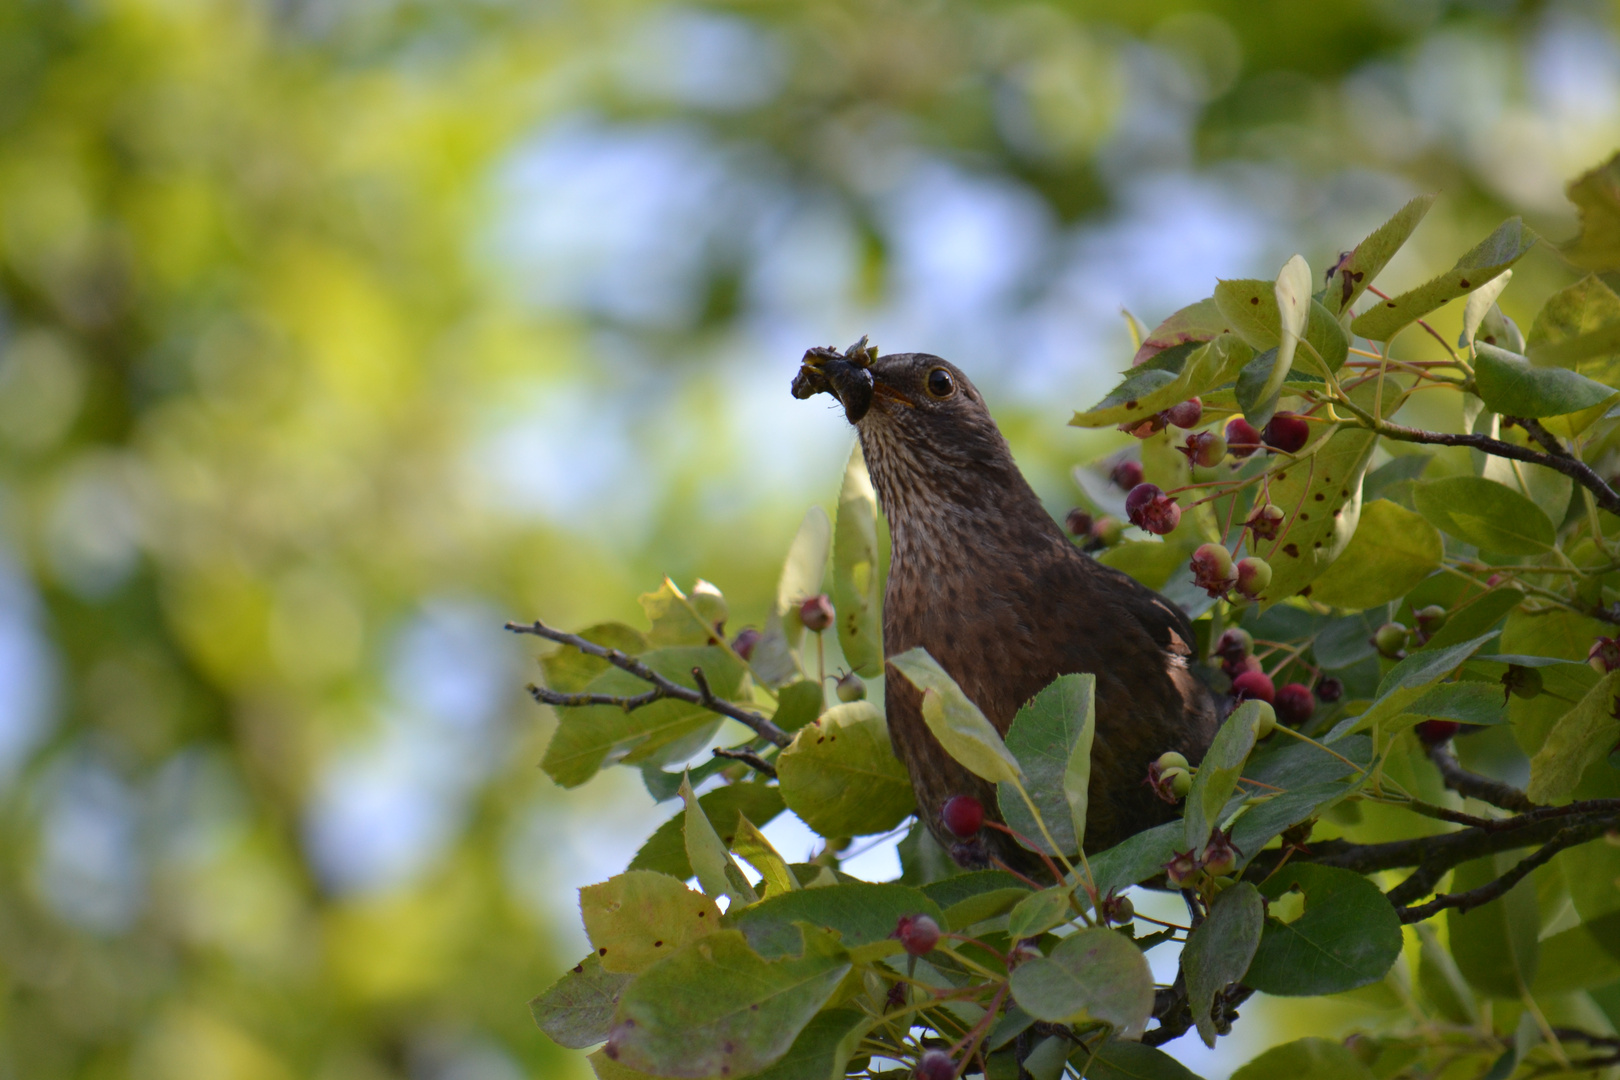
<point x="1294" y="704"/>
<point x="1204" y="448"/>
<point x="1185" y="415"/>
<point x="816" y="613"/>
<point x="1288" y="432"/>
<point x="1126" y="474"/>
<point x="1077" y="522"/>
<point x="918" y="934"/>
<point x="1212" y="569"/>
<point x="1241" y="438"/>
<point x="1234" y="644"/>
<point x="1150" y="508"/>
<point x="743" y="644"/>
<point x="936" y="1065"/>
<point x="963" y="815"/>
<point x="1253" y="575"/>
<point x="1254" y="684"/>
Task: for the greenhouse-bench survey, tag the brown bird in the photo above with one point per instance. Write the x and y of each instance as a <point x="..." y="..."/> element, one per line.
<point x="986" y="581"/>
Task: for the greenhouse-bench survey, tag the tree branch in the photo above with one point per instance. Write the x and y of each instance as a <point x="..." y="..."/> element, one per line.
<point x="1475" y="786"/>
<point x="703" y="696"/>
<point x="749" y="758"/>
<point x="1489" y="891"/>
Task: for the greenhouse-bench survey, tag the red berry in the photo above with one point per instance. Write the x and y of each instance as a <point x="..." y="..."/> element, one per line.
<point x="1330" y="690"/>
<point x="1126" y="474"/>
<point x="1288" y="432"/>
<point x="1254" y="684"/>
<point x="1185" y="415"/>
<point x="1241" y="438"/>
<point x="936" y="1065"/>
<point x="1435" y="732"/>
<point x="918" y="934"/>
<point x="1234" y="644"/>
<point x="743" y="644"/>
<point x="1150" y="508"/>
<point x="963" y="815"/>
<point x="816" y="613"/>
<point x="1294" y="704"/>
<point x="1078" y="522"/>
<point x="1212" y="569"/>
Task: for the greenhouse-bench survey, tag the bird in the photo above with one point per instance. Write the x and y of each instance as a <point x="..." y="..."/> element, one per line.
<point x="984" y="579"/>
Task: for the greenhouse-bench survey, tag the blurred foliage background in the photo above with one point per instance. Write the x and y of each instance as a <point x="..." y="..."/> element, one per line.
<point x="335" y="332"/>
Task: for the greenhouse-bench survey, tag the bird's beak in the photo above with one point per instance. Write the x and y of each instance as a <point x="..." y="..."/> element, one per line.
<point x="845" y="375"/>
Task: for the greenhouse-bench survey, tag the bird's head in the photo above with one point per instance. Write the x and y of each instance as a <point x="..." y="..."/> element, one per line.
<point x="913" y="407"/>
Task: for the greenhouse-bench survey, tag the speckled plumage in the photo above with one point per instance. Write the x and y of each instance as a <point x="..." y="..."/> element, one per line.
<point x="986" y="581"/>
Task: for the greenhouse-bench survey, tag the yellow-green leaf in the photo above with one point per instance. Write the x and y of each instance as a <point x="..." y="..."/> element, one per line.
<point x="840" y="774"/>
<point x="716" y="871"/>
<point x="1585" y="734"/>
<point x="857" y="588"/>
<point x="955" y="721"/>
<point x="1498" y="251"/>
<point x="1392" y="550"/>
<point x="640" y="917"/>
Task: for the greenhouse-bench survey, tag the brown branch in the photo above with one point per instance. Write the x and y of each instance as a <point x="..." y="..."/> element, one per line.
<point x="662" y="687"/>
<point x="749" y="758"/>
<point x="1475" y="786"/>
<point x="1489" y="891"/>
<point x="1571" y="467"/>
<point x="1172" y="1008"/>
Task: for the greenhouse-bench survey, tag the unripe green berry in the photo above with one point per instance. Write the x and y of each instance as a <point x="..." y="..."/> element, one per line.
<point x="1171" y="760"/>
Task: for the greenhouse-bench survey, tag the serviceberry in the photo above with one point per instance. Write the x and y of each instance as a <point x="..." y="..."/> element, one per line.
<point x="1181" y="868"/>
<point x="936" y="1065"/>
<point x="1220" y="854"/>
<point x="1254" y="685"/>
<point x="1329" y="689"/>
<point x="1294" y="704"/>
<point x="918" y="934"/>
<point x="1204" y="448"/>
<point x="743" y="644"/>
<point x="1390" y="640"/>
<point x="1288" y="432"/>
<point x="1234" y="644"/>
<point x="1435" y="732"/>
<point x="1604" y="656"/>
<point x="1520" y="681"/>
<point x="963" y="815"/>
<point x="1253" y="575"/>
<point x="1150" y="508"/>
<point x="816" y="613"/>
<point x="1185" y="415"/>
<point x="1212" y="569"/>
<point x="1266" y="521"/>
<point x="1077" y="522"/>
<point x="1126" y="474"/>
<point x="850" y="687"/>
<point x="1241" y="438"/>
<point x="1108" y="530"/>
<point x="1429" y="620"/>
<point x="1268" y="719"/>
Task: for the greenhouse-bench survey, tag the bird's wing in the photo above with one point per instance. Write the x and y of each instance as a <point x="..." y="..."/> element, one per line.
<point x="1163" y="620"/>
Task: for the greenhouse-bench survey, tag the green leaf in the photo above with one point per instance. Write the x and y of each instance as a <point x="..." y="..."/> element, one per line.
<point x="678" y="619"/>
<point x="1149" y="390"/>
<point x="1322" y="497"/>
<point x="1548" y="489"/>
<point x="976" y="896"/>
<point x="1117" y="1059"/>
<point x="1406" y="682"/>
<point x="594" y="735"/>
<point x="857" y="585"/>
<point x="1569" y="330"/>
<point x="1306" y="1059"/>
<point x="1495" y="945"/>
<point x="1439" y="980"/>
<point x="1583" y="957"/>
<point x="640" y="917"/>
<point x="1495" y="253"/>
<point x="1039" y="912"/>
<point x="577" y="1011"/>
<point x="1219" y="771"/>
<point x="798" y="703"/>
<point x="1250" y="306"/>
<point x="1293" y="298"/>
<point x="751" y="846"/>
<point x="775" y="659"/>
<point x="1198" y="322"/>
<point x="1267" y="816"/>
<point x="955" y="721"/>
<point x="1492" y="517"/>
<point x="715" y="1007"/>
<point x="862" y="913"/>
<point x="1219" y="949"/>
<point x="1352" y="276"/>
<point x="1508" y="384"/>
<point x="1093" y="975"/>
<point x="1051" y="738"/>
<point x="1466" y="702"/>
<point x="1256" y="404"/>
<point x="1582" y="736"/>
<point x="1479" y="305"/>
<point x="716" y="871"/>
<point x="1348" y="936"/>
<point x="665" y="850"/>
<point x="1391" y="551"/>
<point x="841" y="776"/>
<point x="1596" y="196"/>
<point x="823" y="1049"/>
<point x="568" y="671"/>
<point x="1137" y="858"/>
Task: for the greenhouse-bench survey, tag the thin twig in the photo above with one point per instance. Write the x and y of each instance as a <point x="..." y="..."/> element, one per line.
<point x="703" y="696"/>
<point x="749" y="758"/>
<point x="1489" y="891"/>
<point x="1475" y="786"/>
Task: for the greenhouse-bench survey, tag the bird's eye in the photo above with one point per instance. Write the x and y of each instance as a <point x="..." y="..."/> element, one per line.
<point x="940" y="384"/>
